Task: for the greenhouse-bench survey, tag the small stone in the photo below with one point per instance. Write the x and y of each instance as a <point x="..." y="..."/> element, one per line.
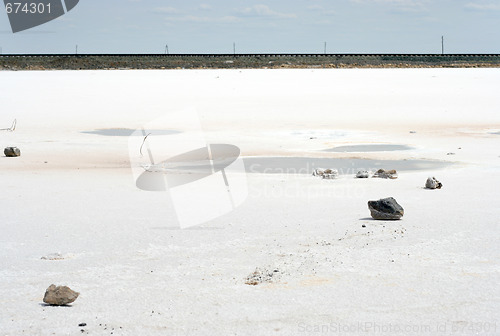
<point x="387" y="174"/>
<point x="82" y="324"/>
<point x="362" y="174"/>
<point x="12" y="152"/>
<point x="330" y="174"/>
<point x="326" y="173"/>
<point x="59" y="295"/>
<point x="432" y="183"/>
<point x="386" y="209"/>
<point x="318" y="172"/>
<point x="413" y="132"/>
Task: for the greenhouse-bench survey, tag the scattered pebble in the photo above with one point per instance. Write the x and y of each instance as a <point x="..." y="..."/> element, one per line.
<point x="432" y="183"/>
<point x="330" y="174"/>
<point x="326" y="173"/>
<point x="362" y="174"/>
<point x="55" y="256"/>
<point x="262" y="276"/>
<point x="59" y="295"/>
<point x="387" y="174"/>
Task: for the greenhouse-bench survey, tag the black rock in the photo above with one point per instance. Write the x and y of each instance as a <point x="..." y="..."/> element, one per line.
<point x="82" y="325"/>
<point x="386" y="209"/>
<point x="12" y="152"/>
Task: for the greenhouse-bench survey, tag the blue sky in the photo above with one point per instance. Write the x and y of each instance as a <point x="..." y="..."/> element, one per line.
<point x="202" y="26"/>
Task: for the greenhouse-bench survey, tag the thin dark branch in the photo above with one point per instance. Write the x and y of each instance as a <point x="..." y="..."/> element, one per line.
<point x="12" y="128"/>
<point x="143" y="141"/>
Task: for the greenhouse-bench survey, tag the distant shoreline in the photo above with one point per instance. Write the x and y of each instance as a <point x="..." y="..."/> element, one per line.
<point x="244" y="61"/>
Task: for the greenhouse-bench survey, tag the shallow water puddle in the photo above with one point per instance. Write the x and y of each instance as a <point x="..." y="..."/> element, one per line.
<point x="298" y="165"/>
<point x="128" y="132"/>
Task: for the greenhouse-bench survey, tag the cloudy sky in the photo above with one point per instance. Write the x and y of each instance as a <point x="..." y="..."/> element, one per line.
<point x="263" y="26"/>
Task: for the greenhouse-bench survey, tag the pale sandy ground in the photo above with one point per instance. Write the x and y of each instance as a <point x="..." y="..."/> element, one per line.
<point x="435" y="272"/>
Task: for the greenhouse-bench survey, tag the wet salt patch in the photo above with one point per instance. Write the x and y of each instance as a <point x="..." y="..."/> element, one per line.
<point x="368" y="148"/>
<point x="298" y="165"/>
<point x="479" y="132"/>
<point x="330" y="134"/>
<point x="128" y="132"/>
<point x="321" y="134"/>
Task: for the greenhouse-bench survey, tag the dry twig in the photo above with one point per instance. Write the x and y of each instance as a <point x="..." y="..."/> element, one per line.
<point x="11" y="128"/>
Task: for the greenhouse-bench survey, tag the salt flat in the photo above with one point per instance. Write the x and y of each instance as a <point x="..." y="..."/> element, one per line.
<point x="72" y="192"/>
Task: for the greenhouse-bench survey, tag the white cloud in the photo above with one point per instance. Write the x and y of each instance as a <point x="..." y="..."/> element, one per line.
<point x="321" y="10"/>
<point x="400" y="5"/>
<point x="265" y="11"/>
<point x="391" y="2"/>
<point x="483" y="6"/>
<point x="166" y="10"/>
<point x="204" y="19"/>
<point x="205" y="6"/>
<point x="315" y="7"/>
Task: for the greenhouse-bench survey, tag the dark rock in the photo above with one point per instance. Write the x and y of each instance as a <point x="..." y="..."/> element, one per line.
<point x="60" y="295"/>
<point x="386" y="209"/>
<point x="432" y="183"/>
<point x="387" y="174"/>
<point x="82" y="325"/>
<point x="12" y="152"/>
